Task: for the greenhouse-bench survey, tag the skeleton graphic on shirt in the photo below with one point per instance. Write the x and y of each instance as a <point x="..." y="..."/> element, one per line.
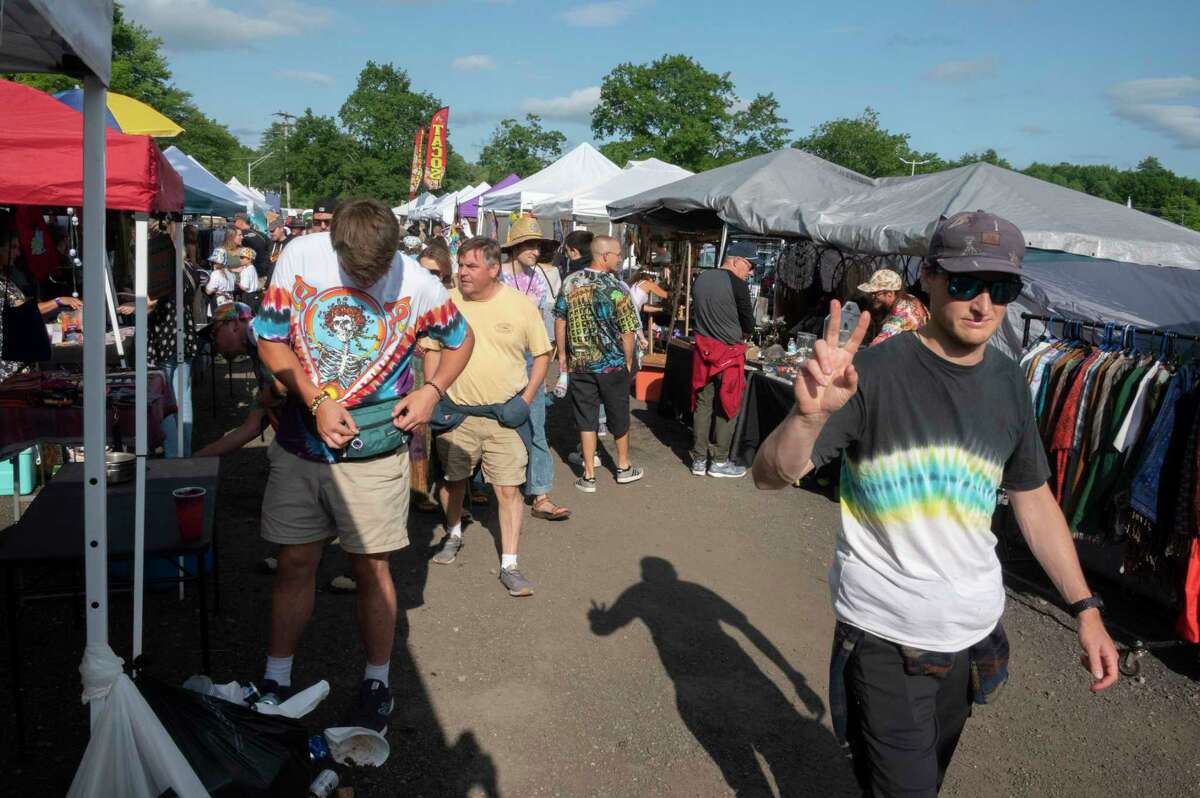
<point x="341" y="366"/>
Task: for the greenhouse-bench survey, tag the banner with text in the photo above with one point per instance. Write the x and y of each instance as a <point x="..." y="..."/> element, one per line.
<point x="435" y="153"/>
<point x="414" y="181"/>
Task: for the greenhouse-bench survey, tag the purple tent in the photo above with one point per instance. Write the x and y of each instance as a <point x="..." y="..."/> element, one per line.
<point x="470" y="208"/>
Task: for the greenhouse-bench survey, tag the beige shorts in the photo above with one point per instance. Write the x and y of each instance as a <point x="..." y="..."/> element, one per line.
<point x="364" y="503"/>
<point x="483" y="439"/>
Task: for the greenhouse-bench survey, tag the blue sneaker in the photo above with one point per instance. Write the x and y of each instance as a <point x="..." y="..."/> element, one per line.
<point x="728" y="470"/>
<point x="700" y="466"/>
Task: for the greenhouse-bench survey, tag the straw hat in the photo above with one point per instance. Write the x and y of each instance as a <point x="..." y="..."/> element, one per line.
<point x="526" y="229"/>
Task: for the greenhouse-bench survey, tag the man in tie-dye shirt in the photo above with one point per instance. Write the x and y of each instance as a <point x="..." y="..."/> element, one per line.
<point x="931" y="424"/>
<point x="337" y="327"/>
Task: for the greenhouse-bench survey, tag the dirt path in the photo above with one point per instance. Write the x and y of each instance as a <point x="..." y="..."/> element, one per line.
<point x="677" y="645"/>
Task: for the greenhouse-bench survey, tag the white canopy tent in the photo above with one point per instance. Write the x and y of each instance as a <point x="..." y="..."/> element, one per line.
<point x="251" y="195"/>
<point x="76" y="38"/>
<point x="580" y="168"/>
<point x="591" y="204"/>
<point x="444" y="208"/>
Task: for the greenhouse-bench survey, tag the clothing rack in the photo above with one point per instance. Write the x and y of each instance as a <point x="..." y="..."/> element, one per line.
<point x="1099" y="325"/>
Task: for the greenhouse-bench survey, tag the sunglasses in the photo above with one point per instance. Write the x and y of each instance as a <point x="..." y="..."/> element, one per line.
<point x="321" y="222"/>
<point x="965" y="287"/>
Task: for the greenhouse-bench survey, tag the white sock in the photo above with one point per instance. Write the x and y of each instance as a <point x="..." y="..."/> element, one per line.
<point x="508" y="561"/>
<point x="456" y="530"/>
<point x="280" y="670"/>
<point x="379" y="672"/>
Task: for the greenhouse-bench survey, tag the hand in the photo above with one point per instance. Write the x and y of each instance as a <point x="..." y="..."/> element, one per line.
<point x="334" y="424"/>
<point x="807" y="695"/>
<point x="1099" y="653"/>
<point x="829" y="379"/>
<point x="416" y="408"/>
<point x="125" y="310"/>
<point x="597" y="618"/>
<point x="75" y="304"/>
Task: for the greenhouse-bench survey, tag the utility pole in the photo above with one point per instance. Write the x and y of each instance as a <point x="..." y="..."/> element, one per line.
<point x="915" y="164"/>
<point x="287" y="124"/>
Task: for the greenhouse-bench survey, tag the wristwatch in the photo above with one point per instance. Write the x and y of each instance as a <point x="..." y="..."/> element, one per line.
<point x="1088" y="603"/>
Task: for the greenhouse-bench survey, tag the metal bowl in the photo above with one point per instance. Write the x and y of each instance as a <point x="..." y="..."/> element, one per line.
<point x="119" y="466"/>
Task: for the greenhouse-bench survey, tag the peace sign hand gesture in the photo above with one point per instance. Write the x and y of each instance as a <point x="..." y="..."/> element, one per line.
<point x="829" y="378"/>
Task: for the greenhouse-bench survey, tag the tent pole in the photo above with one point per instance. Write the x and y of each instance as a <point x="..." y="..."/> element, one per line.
<point x="110" y="296"/>
<point x="95" y="487"/>
<point x="178" y="381"/>
<point x="687" y="302"/>
<point x="724" y="242"/>
<point x="141" y="234"/>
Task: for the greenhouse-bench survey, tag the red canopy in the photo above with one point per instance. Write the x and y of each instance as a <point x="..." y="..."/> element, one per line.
<point x="41" y="158"/>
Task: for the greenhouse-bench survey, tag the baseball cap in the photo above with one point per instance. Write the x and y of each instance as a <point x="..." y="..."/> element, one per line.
<point x="229" y="311"/>
<point x="882" y="280"/>
<point x="325" y="205"/>
<point x="246" y="252"/>
<point x="219" y="257"/>
<point x="977" y="241"/>
<point x="275" y="225"/>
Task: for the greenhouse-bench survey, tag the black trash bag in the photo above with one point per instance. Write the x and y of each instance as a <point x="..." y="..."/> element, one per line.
<point x="236" y="752"/>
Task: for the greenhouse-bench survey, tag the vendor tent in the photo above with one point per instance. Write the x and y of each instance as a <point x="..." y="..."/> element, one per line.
<point x="41" y="158"/>
<point x="203" y="192"/>
<point x="470" y="208"/>
<point x="246" y="192"/>
<point x="580" y="168"/>
<point x="898" y="214"/>
<point x="53" y="36"/>
<point x="757" y="195"/>
<point x="592" y="202"/>
<point x="445" y="208"/>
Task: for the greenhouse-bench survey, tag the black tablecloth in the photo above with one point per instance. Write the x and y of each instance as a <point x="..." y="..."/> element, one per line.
<point x="765" y="405"/>
<point x="52" y="528"/>
<point x="675" y="401"/>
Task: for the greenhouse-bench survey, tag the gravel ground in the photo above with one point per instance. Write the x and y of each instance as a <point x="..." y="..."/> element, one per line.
<point x="677" y="645"/>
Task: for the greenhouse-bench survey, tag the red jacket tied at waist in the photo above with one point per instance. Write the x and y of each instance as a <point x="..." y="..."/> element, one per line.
<point x="712" y="359"/>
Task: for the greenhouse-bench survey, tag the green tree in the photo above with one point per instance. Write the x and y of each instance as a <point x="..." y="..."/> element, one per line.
<point x="862" y="144"/>
<point x="320" y="159"/>
<point x="676" y="110"/>
<point x="1182" y="209"/>
<point x="523" y="148"/>
<point x="140" y="70"/>
<point x="986" y="156"/>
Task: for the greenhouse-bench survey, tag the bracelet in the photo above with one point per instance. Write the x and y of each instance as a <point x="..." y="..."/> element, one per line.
<point x="440" y="392"/>
<point x="317" y="401"/>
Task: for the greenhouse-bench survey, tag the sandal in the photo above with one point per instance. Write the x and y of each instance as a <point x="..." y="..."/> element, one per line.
<point x="547" y="510"/>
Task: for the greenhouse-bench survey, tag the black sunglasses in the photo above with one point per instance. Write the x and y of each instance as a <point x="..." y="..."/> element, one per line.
<point x="321" y="222"/>
<point x="965" y="287"/>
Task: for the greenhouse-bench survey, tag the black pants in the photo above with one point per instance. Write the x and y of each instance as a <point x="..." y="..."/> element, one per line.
<point x="903" y="729"/>
<point x="588" y="391"/>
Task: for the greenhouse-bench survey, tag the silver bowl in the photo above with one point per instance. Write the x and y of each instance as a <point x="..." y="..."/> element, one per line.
<point x="119" y="466"/>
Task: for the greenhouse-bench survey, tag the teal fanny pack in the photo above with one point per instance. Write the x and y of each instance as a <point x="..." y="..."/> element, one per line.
<point x="377" y="434"/>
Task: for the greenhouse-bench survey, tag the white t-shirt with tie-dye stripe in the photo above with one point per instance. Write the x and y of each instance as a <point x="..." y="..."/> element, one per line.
<point x="927" y="445"/>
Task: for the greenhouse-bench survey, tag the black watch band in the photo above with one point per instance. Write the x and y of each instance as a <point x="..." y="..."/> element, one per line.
<point x="1086" y="604"/>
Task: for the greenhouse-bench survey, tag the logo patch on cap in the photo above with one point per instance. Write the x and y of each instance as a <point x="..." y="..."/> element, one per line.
<point x="991" y="238"/>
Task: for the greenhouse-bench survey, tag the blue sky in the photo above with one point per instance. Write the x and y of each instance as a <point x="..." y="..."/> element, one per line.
<point x="1088" y="82"/>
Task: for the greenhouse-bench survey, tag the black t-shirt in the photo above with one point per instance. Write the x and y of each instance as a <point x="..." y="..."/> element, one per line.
<point x="927" y="444"/>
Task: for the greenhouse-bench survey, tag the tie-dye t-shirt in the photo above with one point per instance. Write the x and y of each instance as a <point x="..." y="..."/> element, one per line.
<point x="355" y="343"/>
<point x="598" y="311"/>
<point x="927" y="444"/>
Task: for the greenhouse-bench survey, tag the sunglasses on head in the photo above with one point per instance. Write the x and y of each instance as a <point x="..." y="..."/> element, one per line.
<point x="965" y="287"/>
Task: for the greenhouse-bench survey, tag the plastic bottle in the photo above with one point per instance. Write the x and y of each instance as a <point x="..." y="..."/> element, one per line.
<point x="560" y="388"/>
<point x="791" y="350"/>
<point x="323" y="785"/>
<point x="318" y="749"/>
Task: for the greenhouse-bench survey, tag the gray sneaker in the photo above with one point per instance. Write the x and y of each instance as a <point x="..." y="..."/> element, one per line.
<point x="728" y="469"/>
<point x="575" y="458"/>
<point x="449" y="549"/>
<point x="515" y="582"/>
<point x="586" y="485"/>
<point x="627" y="475"/>
<point x="700" y="466"/>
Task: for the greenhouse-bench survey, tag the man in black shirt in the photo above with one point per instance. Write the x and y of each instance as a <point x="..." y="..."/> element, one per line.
<point x="932" y="424"/>
<point x="257" y="242"/>
<point x="724" y="317"/>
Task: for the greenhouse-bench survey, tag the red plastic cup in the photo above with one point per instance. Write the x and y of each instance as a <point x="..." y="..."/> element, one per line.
<point x="189" y="513"/>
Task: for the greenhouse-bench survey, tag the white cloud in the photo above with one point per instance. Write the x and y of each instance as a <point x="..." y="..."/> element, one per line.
<point x="575" y="107"/>
<point x="205" y="25"/>
<point x="1142" y="102"/>
<point x="962" y="71"/>
<point x="319" y="78"/>
<point x="473" y="63"/>
<point x="601" y="15"/>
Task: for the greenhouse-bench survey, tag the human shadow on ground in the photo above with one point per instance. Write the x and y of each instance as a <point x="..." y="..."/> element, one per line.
<point x="731" y="707"/>
<point x="674" y="435"/>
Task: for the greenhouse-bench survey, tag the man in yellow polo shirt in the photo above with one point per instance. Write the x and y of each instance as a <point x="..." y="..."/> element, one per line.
<point x="495" y="391"/>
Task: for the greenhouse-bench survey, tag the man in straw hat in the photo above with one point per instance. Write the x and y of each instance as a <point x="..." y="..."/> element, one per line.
<point x="900" y="310"/>
<point x="527" y="276"/>
<point x="932" y="424"/>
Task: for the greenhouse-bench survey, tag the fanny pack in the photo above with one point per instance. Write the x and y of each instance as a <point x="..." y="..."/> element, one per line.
<point x="376" y="433"/>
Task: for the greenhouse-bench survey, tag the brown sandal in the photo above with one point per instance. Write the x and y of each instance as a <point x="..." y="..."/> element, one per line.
<point x="545" y="509"/>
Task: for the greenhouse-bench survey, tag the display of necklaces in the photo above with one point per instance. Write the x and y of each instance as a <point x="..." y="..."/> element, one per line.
<point x="1121" y="427"/>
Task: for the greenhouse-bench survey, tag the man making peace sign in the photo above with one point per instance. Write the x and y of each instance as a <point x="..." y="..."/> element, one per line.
<point x="932" y="423"/>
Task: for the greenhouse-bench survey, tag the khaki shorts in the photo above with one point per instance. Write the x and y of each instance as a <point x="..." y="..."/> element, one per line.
<point x="483" y="439"/>
<point x="364" y="503"/>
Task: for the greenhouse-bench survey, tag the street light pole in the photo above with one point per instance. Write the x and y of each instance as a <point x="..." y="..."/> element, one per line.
<point x="251" y="164"/>
<point x="915" y="164"/>
<point x="287" y="181"/>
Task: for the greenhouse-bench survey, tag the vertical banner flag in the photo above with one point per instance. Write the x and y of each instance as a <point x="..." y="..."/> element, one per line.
<point x="435" y="153"/>
<point x="414" y="181"/>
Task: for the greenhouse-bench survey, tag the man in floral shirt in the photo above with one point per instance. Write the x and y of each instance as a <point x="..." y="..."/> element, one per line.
<point x="900" y="310"/>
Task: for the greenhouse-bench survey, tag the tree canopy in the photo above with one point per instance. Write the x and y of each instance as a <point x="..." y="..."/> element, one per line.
<point x="520" y="147"/>
<point x="676" y="110"/>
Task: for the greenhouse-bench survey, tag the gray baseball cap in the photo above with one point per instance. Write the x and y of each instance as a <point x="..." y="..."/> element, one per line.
<point x="977" y="241"/>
